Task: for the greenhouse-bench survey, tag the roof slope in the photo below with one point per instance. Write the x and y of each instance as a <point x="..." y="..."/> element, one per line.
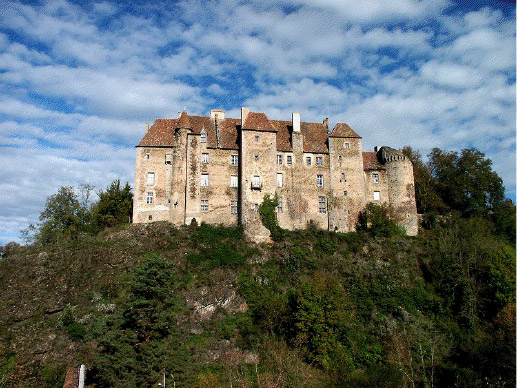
<point x="161" y="133"/>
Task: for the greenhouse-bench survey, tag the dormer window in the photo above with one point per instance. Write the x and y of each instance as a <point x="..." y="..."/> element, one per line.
<point x="203" y="136"/>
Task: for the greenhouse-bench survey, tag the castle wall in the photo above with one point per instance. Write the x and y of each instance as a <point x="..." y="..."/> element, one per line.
<point x="219" y="194"/>
<point x="151" y="160"/>
<point x="348" y="191"/>
<point x="379" y="184"/>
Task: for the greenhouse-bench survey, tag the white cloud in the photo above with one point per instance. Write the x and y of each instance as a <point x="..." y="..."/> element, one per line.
<point x="78" y="82"/>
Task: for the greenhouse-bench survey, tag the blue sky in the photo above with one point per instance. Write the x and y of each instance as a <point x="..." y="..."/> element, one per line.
<point x="79" y="80"/>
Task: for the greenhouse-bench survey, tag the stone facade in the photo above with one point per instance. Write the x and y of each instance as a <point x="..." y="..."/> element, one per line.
<point x="217" y="170"/>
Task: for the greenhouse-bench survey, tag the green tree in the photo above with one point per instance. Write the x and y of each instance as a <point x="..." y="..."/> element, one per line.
<point x="466" y="181"/>
<point x="143" y="339"/>
<point x="428" y="200"/>
<point x="63" y="217"/>
<point x="114" y="206"/>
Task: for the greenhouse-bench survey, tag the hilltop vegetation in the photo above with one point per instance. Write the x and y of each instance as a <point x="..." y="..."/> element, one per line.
<point x="206" y="307"/>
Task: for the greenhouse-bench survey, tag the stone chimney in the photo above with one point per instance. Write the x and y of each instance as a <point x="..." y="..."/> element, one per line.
<point x="217" y="114"/>
<point x="244" y="115"/>
<point x="326" y="123"/>
<point x="296" y="122"/>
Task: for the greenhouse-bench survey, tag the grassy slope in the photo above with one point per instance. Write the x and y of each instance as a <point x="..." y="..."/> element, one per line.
<point x="384" y="304"/>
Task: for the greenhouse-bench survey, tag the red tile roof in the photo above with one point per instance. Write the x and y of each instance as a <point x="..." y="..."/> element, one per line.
<point x="258" y="121"/>
<point x="371" y="162"/>
<point x="161" y="133"/>
<point x="343" y="130"/>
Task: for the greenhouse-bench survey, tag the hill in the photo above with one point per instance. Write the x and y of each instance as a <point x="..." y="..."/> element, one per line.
<point x="209" y="308"/>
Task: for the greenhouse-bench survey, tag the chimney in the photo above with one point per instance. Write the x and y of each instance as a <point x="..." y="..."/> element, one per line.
<point x="146" y="127"/>
<point x="326" y="123"/>
<point x="217" y="114"/>
<point x="296" y="122"/>
<point x="244" y="115"/>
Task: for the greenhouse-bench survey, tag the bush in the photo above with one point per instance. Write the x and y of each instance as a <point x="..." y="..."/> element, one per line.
<point x="377" y="221"/>
<point x="267" y="211"/>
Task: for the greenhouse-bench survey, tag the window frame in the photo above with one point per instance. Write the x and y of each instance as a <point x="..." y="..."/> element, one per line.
<point x="205" y="180"/>
<point x="308" y="160"/>
<point x="234" y="207"/>
<point x="319" y="161"/>
<point x="150" y="181"/>
<point x="279" y="159"/>
<point x="320" y="181"/>
<point x="203" y="137"/>
<point x="322" y="204"/>
<point x="205" y="157"/>
<point x="204" y="206"/>
<point x="234" y="181"/>
<point x="149" y="198"/>
<point x="289" y="159"/>
<point x="377" y="193"/>
<point x="279" y="180"/>
<point x="234" y="160"/>
<point x="375" y="178"/>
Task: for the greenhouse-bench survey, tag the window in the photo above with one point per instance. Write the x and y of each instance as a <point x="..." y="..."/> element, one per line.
<point x="204" y="158"/>
<point x="204" y="205"/>
<point x="256" y="207"/>
<point x="150" y="178"/>
<point x="204" y="180"/>
<point x="280" y="207"/>
<point x="279" y="159"/>
<point x="347" y="145"/>
<point x="147" y="156"/>
<point x="257" y="138"/>
<point x="234" y="181"/>
<point x="319" y="161"/>
<point x="319" y="180"/>
<point x="233" y="207"/>
<point x="322" y="206"/>
<point x="279" y="180"/>
<point x="234" y="160"/>
<point x="168" y="159"/>
<point x="203" y="136"/>
<point x="376" y="195"/>
<point x="256" y="182"/>
<point x="340" y="158"/>
<point x="150" y="196"/>
<point x="343" y="177"/>
<point x="345" y="193"/>
<point x="150" y="217"/>
<point x="375" y="178"/>
<point x="308" y="160"/>
<point x="256" y="158"/>
<point x="289" y="160"/>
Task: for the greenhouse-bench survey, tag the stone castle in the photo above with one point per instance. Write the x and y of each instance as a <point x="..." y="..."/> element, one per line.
<point x="217" y="170"/>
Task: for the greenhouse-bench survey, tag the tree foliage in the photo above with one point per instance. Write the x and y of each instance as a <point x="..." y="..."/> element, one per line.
<point x="466" y="181"/>
<point x="63" y="218"/>
<point x="114" y="207"/>
<point x="267" y="211"/>
<point x="143" y="339"/>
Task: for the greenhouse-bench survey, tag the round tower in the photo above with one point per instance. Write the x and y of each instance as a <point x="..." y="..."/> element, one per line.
<point x="401" y="188"/>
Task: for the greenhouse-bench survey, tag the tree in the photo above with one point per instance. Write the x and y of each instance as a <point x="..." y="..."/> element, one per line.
<point x="144" y="338"/>
<point x="428" y="200"/>
<point x="466" y="182"/>
<point x="114" y="206"/>
<point x="63" y="217"/>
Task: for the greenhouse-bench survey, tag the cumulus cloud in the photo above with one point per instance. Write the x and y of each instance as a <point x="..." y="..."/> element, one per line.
<point x="79" y="81"/>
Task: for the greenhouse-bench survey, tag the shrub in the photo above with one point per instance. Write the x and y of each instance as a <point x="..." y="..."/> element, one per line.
<point x="377" y="221"/>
